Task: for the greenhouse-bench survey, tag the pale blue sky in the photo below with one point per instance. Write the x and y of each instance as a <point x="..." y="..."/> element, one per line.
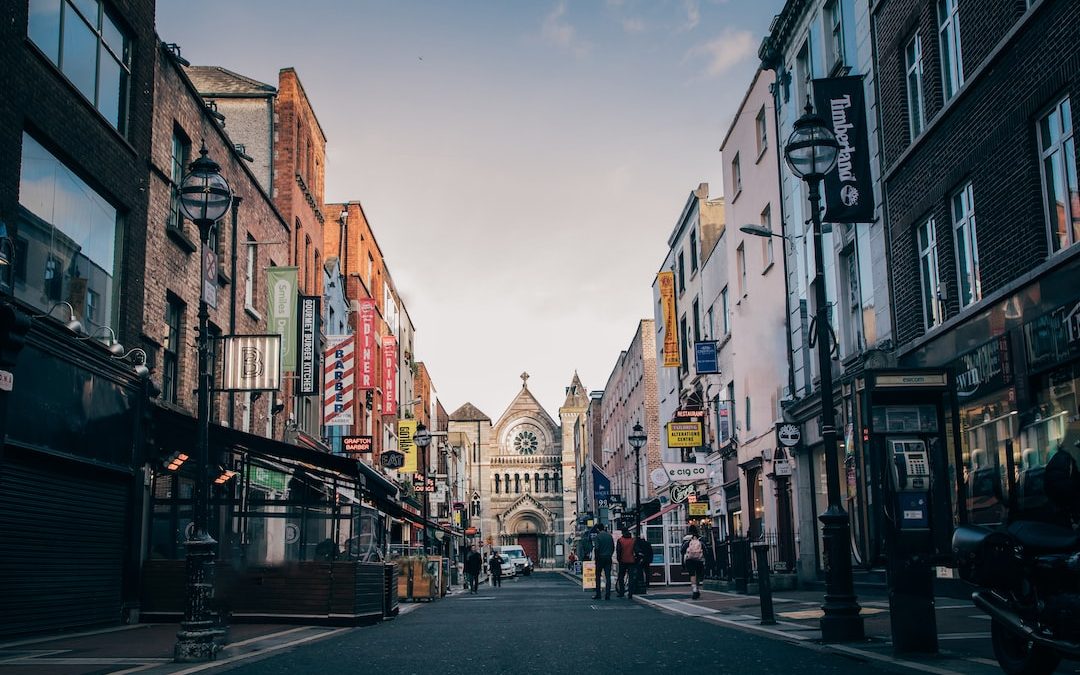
<point x="522" y="163"/>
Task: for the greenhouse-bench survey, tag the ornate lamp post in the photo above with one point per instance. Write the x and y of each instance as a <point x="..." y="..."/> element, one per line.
<point x="422" y="438"/>
<point x="811" y="152"/>
<point x="204" y="198"/>
<point x="638" y="439"/>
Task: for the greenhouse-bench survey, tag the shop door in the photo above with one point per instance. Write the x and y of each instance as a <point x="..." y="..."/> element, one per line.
<point x="530" y="543"/>
<point x="63" y="556"/>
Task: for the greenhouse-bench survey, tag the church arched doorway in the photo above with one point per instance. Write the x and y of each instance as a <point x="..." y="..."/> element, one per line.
<point x="527" y="530"/>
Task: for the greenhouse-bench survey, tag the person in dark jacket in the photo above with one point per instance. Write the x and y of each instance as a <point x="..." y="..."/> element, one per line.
<point x="473" y="564"/>
<point x="1061" y="481"/>
<point x="603" y="548"/>
<point x="643" y="554"/>
<point x="495" y="564"/>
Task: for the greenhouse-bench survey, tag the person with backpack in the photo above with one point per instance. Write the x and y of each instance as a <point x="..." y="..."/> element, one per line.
<point x="693" y="552"/>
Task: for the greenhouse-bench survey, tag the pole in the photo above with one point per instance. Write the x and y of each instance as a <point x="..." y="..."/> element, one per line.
<point x="196" y="640"/>
<point x="637" y="488"/>
<point x="424" y="503"/>
<point x="842" y="621"/>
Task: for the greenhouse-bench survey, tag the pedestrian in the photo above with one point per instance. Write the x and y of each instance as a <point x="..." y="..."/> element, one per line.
<point x="643" y="555"/>
<point x="473" y="564"/>
<point x="693" y="553"/>
<point x="624" y="553"/>
<point x="570" y="560"/>
<point x="603" y="548"/>
<point x="495" y="568"/>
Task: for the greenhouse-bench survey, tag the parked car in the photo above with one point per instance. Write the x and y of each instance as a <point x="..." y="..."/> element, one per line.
<point x="523" y="564"/>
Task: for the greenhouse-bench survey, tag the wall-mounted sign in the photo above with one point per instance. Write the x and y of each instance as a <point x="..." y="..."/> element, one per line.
<point x="680" y="493"/>
<point x="788" y="435"/>
<point x="209" y="273"/>
<point x="308" y="340"/>
<point x="601" y="488"/>
<point x="706" y="359"/>
<point x="471" y="531"/>
<point x="983" y="370"/>
<point x="338" y="377"/>
<point x="390" y="364"/>
<point x="699" y="509"/>
<point x="392" y="459"/>
<point x="782" y="467"/>
<point x="252" y="362"/>
<point x="725" y="413"/>
<point x="685" y="472"/>
<point x="281" y="317"/>
<point x="356" y="445"/>
<point x="405" y="445"/>
<point x="659" y="477"/>
<point x="684" y="434"/>
<point x="665" y="281"/>
<point x="849" y="192"/>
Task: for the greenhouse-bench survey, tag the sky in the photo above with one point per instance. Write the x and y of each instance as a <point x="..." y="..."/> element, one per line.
<point x="522" y="162"/>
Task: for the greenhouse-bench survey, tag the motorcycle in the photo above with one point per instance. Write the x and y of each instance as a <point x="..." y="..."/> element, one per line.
<point x="1028" y="578"/>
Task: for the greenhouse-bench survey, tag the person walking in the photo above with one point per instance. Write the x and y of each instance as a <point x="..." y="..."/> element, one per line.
<point x="693" y="552"/>
<point x="643" y="555"/>
<point x="624" y="553"/>
<point x="473" y="564"/>
<point x="603" y="548"/>
<point x="495" y="569"/>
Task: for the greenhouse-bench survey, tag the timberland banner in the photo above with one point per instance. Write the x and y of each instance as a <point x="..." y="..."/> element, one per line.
<point x="666" y="282"/>
<point x="849" y="194"/>
<point x="281" y="318"/>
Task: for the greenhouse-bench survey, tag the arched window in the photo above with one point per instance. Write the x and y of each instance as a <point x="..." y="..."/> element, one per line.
<point x="527" y="483"/>
<point x="547" y="482"/>
<point x="476" y="505"/>
<point x="536" y="482"/>
<point x="496" y="483"/>
<point x="517" y="483"/>
<point x="557" y="477"/>
<point x="506" y="482"/>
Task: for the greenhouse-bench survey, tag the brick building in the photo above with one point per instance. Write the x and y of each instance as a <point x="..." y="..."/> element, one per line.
<point x="75" y="129"/>
<point x="979" y="173"/>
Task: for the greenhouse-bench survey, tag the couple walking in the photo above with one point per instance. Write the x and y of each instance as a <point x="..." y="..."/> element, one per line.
<point x="634" y="555"/>
<point x="474" y="564"/>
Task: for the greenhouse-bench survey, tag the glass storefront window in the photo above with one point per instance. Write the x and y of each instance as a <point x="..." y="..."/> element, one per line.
<point x="1050" y="426"/>
<point x="70" y="239"/>
<point x="989" y="431"/>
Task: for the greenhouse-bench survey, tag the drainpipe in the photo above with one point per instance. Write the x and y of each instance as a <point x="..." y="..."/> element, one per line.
<point x="232" y="295"/>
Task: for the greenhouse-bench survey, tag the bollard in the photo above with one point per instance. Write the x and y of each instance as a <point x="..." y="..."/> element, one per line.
<point x="761" y="551"/>
<point x="740" y="564"/>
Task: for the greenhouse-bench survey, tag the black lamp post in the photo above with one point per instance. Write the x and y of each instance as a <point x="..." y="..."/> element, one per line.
<point x="811" y="152"/>
<point x="422" y="438"/>
<point x="204" y="198"/>
<point x="638" y="439"/>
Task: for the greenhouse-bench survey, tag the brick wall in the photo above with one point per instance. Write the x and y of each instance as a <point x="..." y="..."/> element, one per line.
<point x="985" y="135"/>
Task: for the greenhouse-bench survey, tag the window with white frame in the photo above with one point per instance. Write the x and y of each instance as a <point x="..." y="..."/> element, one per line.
<point x="762" y="131"/>
<point x="181" y="153"/>
<point x="928" y="273"/>
<point x="914" y="64"/>
<point x="767" y="254"/>
<point x="967" y="246"/>
<point x="252" y="266"/>
<point x="740" y="262"/>
<point x="724" y="322"/>
<point x="1057" y="150"/>
<point x="952" y="58"/>
<point x="834" y="27"/>
<point x="693" y="251"/>
<point x="736" y="175"/>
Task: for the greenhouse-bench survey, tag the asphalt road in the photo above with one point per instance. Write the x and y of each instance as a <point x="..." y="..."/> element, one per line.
<point x="547" y="624"/>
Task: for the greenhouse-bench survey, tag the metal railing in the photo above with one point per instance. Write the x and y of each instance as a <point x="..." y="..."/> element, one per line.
<point x="732" y="558"/>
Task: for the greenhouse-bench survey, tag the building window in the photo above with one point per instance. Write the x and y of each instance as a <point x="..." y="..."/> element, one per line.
<point x="252" y="266"/>
<point x="952" y="59"/>
<point x="697" y="321"/>
<point x="170" y="360"/>
<point x="736" y="176"/>
<point x="835" y="34"/>
<point x="725" y="324"/>
<point x="748" y="418"/>
<point x="73" y="236"/>
<point x="684" y="367"/>
<point x="967" y="246"/>
<point x="709" y="324"/>
<point x="740" y="261"/>
<point x="476" y="506"/>
<point x="913" y="61"/>
<point x="88" y="47"/>
<point x="682" y="273"/>
<point x="762" y="131"/>
<point x="181" y="153"/>
<point x="849" y="268"/>
<point x="767" y="254"/>
<point x="693" y="251"/>
<point x="1058" y="152"/>
<point x="928" y="272"/>
<point x="497" y="482"/>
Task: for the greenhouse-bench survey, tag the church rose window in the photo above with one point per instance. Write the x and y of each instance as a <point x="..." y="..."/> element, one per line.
<point x="526" y="443"/>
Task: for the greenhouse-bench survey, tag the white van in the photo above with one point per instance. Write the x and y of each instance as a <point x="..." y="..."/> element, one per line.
<point x="516" y="554"/>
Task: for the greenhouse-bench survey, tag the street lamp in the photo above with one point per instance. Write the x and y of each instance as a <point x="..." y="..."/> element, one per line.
<point x="638" y="439"/>
<point x="204" y="198"/>
<point x="811" y="152"/>
<point x="422" y="438"/>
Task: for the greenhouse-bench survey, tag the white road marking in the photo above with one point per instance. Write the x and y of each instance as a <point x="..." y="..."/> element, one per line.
<point x="265" y="637"/>
<point x="963" y="636"/>
<point x="891" y="659"/>
<point x="261" y="652"/>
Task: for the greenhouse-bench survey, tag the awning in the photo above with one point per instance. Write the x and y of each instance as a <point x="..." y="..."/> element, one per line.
<point x="669" y="507"/>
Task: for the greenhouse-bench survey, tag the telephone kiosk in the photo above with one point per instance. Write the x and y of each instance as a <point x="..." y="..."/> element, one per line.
<point x="909" y="474"/>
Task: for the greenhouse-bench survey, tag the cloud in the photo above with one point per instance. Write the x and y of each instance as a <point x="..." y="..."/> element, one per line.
<point x="633" y="25"/>
<point x="726" y="51"/>
<point x="693" y="14"/>
<point x="563" y="34"/>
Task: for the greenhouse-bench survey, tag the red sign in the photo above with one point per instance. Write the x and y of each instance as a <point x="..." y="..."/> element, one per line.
<point x="470" y="531"/>
<point x="366" y="337"/>
<point x="389" y="350"/>
<point x="356" y="445"/>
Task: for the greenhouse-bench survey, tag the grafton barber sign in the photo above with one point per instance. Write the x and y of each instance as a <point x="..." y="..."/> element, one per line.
<point x="849" y="194"/>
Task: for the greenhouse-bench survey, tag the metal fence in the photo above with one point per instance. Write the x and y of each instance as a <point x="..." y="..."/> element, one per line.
<point x="732" y="558"/>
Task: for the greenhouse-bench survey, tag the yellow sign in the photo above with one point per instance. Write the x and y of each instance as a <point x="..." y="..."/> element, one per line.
<point x="684" y="434"/>
<point x="666" y="282"/>
<point x="406" y="429"/>
<point x="588" y="575"/>
<point x="699" y="509"/>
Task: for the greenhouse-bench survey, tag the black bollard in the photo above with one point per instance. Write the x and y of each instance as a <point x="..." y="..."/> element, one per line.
<point x="740" y="549"/>
<point x="761" y="552"/>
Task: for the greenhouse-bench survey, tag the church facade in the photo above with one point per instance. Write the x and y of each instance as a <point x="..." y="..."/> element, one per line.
<point x="522" y="479"/>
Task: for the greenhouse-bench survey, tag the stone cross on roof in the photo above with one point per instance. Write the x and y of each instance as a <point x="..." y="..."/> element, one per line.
<point x="524" y="380"/>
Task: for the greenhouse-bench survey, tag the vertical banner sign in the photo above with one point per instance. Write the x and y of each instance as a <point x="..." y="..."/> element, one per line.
<point x="666" y="282"/>
<point x="406" y="429"/>
<point x="209" y="276"/>
<point x="339" y="374"/>
<point x="366" y="366"/>
<point x="308" y="341"/>
<point x="389" y="352"/>
<point x="849" y="194"/>
<point x="601" y="488"/>
<point x="281" y="318"/>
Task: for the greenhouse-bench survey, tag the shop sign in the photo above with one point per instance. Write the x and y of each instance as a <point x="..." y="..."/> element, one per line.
<point x="338" y="378"/>
<point x="685" y="472"/>
<point x="471" y="531"/>
<point x="665" y="281"/>
<point x="390" y="364"/>
<point x="601" y="488"/>
<point x="281" y="318"/>
<point x="356" y="445"/>
<point x="849" y="192"/>
<point x="983" y="370"/>
<point x="1053" y="338"/>
<point x="684" y="434"/>
<point x="420" y="485"/>
<point x="392" y="459"/>
<point x="366" y="336"/>
<point x="252" y="362"/>
<point x="705" y="357"/>
<point x="699" y="509"/>
<point x="308" y="341"/>
<point x="724" y="414"/>
<point x="788" y="435"/>
<point x="782" y="467"/>
<point x="7" y="380"/>
<point x="405" y="444"/>
<point x="680" y="493"/>
<point x="459" y="506"/>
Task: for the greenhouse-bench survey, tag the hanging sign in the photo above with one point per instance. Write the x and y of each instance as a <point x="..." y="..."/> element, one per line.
<point x="601" y="488"/>
<point x="849" y="193"/>
<point x="365" y="371"/>
<point x="252" y="363"/>
<point x="308" y="340"/>
<point x="684" y="434"/>
<point x="685" y="472"/>
<point x="281" y="316"/>
<point x="680" y="493"/>
<point x="338" y="377"/>
<point x="666" y="282"/>
<point x="706" y="360"/>
<point x="698" y="509"/>
<point x="356" y="445"/>
<point x="389" y="352"/>
<point x="209" y="277"/>
<point x="405" y="444"/>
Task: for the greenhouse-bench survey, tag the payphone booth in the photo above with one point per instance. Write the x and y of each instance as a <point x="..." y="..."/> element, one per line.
<point x="911" y="483"/>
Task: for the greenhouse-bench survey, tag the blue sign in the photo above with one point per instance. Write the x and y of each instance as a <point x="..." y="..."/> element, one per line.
<point x="705" y="358"/>
<point x="601" y="488"/>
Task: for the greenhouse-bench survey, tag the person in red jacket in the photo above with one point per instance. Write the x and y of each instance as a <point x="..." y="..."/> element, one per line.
<point x="624" y="551"/>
